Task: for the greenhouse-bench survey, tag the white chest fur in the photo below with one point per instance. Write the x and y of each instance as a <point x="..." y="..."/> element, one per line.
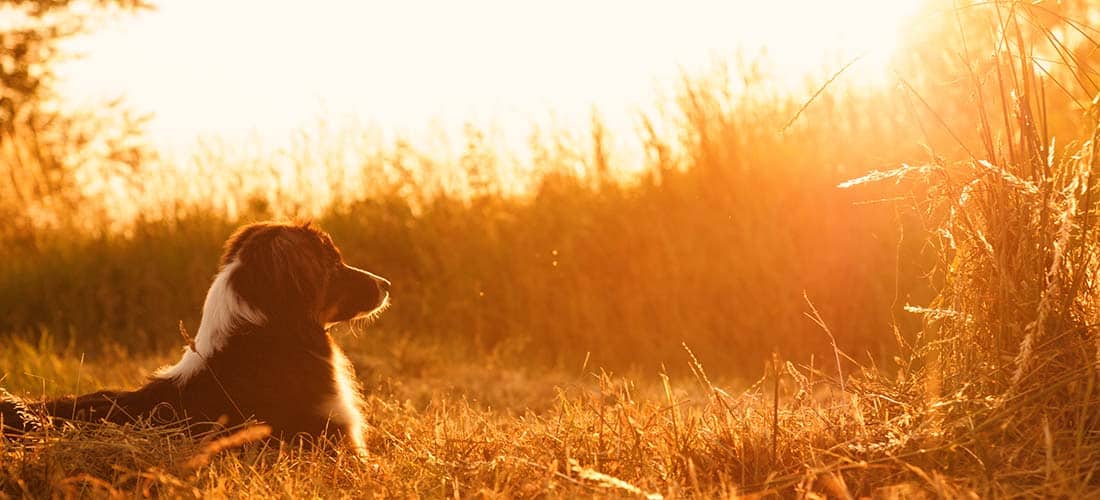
<point x="222" y="312"/>
<point x="344" y="408"/>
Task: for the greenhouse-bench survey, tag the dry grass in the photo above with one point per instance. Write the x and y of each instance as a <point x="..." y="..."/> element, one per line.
<point x="484" y="431"/>
<point x="457" y="428"/>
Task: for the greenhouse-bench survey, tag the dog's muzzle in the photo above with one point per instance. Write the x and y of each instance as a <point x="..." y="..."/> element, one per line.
<point x="355" y="293"/>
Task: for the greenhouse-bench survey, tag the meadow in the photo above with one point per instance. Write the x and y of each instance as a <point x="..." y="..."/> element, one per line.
<point x="843" y="292"/>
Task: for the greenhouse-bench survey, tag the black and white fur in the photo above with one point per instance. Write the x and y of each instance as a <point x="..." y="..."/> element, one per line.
<point x="261" y="351"/>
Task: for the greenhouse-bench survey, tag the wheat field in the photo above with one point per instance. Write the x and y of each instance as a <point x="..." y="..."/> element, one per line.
<point x="843" y="293"/>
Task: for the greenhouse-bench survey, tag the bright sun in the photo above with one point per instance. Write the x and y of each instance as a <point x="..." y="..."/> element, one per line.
<point x="232" y="69"/>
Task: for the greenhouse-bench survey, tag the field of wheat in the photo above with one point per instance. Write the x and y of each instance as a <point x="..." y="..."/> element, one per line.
<point x="841" y="293"/>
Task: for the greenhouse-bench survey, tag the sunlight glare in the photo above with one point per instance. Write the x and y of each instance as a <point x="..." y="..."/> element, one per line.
<point x="253" y="68"/>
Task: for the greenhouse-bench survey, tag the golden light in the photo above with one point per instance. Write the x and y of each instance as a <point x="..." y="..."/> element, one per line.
<point x="263" y="69"/>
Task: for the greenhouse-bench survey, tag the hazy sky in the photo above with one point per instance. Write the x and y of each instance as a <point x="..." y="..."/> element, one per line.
<point x="206" y="67"/>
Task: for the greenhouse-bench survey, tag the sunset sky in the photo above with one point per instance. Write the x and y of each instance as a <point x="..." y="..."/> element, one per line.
<point x="264" y="69"/>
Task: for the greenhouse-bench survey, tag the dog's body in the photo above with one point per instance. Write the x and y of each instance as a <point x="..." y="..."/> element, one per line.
<point x="261" y="351"/>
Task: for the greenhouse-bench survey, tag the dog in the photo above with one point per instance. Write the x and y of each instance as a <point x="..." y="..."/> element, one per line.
<point x="262" y="351"/>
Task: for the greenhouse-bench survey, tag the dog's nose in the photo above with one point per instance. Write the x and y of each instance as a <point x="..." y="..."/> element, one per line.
<point x="383" y="284"/>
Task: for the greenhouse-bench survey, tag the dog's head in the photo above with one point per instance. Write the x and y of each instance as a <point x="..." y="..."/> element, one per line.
<point x="294" y="272"/>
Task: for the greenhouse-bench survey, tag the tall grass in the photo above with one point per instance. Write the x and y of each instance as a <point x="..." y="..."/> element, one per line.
<point x="733" y="218"/>
<point x="1009" y="349"/>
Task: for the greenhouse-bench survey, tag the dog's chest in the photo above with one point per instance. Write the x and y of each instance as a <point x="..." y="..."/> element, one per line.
<point x="343" y="406"/>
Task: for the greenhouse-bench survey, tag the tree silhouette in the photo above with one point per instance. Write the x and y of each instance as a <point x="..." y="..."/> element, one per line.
<point x="43" y="147"/>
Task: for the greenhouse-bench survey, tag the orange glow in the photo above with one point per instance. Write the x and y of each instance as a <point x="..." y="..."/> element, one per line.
<point x="251" y="68"/>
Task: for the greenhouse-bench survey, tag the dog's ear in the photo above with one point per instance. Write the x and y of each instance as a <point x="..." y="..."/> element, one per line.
<point x="239" y="239"/>
<point x="279" y="271"/>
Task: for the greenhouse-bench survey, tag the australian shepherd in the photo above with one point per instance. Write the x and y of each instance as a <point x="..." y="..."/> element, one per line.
<point x="262" y="351"/>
